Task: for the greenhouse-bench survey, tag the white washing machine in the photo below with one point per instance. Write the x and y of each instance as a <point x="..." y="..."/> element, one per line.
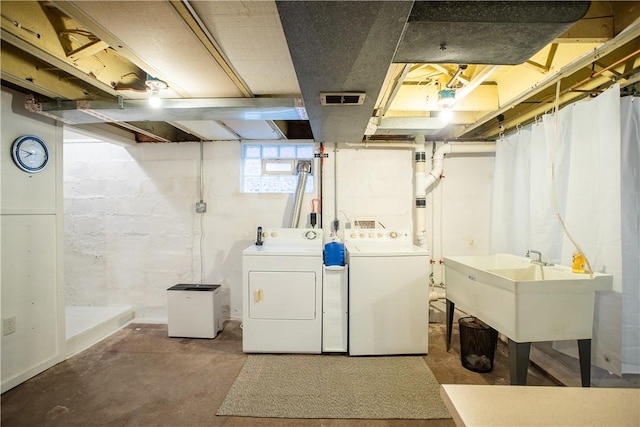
<point x="388" y="292"/>
<point x="282" y="292"/>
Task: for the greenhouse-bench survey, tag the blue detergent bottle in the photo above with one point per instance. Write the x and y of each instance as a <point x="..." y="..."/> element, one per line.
<point x="334" y="253"/>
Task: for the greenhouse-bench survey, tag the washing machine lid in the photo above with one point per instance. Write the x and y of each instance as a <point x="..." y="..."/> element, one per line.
<point x="266" y="250"/>
<point x="384" y="249"/>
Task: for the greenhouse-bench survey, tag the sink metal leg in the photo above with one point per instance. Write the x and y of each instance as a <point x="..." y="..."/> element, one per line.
<point x="584" y="353"/>
<point x="450" y="309"/>
<point x="518" y="362"/>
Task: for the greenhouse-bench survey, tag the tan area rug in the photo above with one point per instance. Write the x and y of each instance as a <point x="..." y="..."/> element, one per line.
<point x="314" y="386"/>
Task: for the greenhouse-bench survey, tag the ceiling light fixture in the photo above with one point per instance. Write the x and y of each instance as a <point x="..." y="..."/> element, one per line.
<point x="445" y="115"/>
<point x="446" y="98"/>
<point x="156" y="85"/>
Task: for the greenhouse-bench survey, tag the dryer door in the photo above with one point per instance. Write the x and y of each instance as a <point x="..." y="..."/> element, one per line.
<point x="282" y="295"/>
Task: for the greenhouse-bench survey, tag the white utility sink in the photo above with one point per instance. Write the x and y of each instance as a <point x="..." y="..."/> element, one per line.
<point x="524" y="301"/>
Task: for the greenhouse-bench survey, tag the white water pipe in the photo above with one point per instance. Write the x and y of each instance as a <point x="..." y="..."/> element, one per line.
<point x="425" y="182"/>
<point x="380" y="144"/>
<point x="420" y="200"/>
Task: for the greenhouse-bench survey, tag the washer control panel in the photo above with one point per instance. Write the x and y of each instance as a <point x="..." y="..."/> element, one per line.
<point x="377" y="235"/>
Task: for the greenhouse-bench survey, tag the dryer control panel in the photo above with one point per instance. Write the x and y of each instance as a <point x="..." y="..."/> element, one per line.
<point x="306" y="237"/>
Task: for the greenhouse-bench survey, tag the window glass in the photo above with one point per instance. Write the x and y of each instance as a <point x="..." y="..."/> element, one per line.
<point x="288" y="183"/>
<point x="271" y="168"/>
<point x="289" y="152"/>
<point x="252" y="151"/>
<point x="270" y="152"/>
<point x="252" y="184"/>
<point x="281" y="167"/>
<point x="270" y="184"/>
<point x="305" y="152"/>
<point x="252" y="167"/>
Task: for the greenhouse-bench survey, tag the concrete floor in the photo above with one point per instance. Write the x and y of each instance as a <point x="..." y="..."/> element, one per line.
<point x="141" y="377"/>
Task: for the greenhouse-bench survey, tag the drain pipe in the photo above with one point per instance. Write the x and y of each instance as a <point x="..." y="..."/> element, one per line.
<point x="303" y="169"/>
<point x="421" y="194"/>
<point x="425" y="182"/>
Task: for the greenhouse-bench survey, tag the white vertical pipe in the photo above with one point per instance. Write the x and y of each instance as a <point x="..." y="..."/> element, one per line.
<point x="420" y="194"/>
<point x="425" y="182"/>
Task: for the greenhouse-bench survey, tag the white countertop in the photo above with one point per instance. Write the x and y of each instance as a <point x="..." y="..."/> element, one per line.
<point x="496" y="405"/>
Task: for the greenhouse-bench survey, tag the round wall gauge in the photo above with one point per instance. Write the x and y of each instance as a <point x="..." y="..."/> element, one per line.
<point x="30" y="153"/>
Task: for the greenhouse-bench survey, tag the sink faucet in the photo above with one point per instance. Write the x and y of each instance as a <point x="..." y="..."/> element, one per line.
<point x="539" y="260"/>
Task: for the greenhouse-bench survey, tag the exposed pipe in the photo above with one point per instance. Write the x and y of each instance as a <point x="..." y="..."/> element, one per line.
<point x="420" y="199"/>
<point x="425" y="182"/>
<point x="320" y="182"/>
<point x="390" y="144"/>
<point x="303" y="169"/>
<point x="335" y="224"/>
<point x="477" y="81"/>
<point x="458" y="148"/>
<point x="202" y="254"/>
<point x="456" y="75"/>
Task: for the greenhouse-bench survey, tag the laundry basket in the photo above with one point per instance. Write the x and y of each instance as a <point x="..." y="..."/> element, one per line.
<point x="477" y="344"/>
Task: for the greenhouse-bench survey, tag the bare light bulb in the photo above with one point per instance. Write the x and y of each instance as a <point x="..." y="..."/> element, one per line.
<point x="446" y="115"/>
<point x="154" y="99"/>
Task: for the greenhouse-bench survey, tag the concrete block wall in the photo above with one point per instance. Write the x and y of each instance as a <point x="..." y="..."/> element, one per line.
<point x="132" y="231"/>
<point x="373" y="184"/>
<point x="459" y="209"/>
<point x="128" y="225"/>
<point x="379" y="184"/>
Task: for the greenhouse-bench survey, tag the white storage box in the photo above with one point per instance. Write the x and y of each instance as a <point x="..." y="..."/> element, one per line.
<point x="194" y="311"/>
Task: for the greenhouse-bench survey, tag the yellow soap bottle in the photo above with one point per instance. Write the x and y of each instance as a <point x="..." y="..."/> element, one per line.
<point x="577" y="265"/>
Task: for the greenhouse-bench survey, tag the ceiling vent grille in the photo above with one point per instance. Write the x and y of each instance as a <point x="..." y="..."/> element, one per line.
<point x="342" y="98"/>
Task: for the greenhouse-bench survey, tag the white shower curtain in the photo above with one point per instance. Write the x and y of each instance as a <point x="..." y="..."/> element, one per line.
<point x="522" y="206"/>
<point x="630" y="165"/>
<point x="510" y="222"/>
<point x="583" y="147"/>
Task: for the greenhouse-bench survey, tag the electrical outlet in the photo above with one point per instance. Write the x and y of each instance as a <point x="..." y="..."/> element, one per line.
<point x="201" y="207"/>
<point x="9" y="325"/>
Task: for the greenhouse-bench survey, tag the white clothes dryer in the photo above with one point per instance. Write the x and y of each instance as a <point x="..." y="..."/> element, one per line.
<point x="388" y="293"/>
<point x="282" y="292"/>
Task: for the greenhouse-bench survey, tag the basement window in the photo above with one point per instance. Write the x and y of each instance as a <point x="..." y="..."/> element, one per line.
<point x="271" y="168"/>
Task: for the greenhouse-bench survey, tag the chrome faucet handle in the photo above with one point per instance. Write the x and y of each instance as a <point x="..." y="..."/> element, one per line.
<point x="539" y="260"/>
<point x="532" y="251"/>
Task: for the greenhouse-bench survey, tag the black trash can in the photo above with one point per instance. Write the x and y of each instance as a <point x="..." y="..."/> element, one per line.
<point x="477" y="344"/>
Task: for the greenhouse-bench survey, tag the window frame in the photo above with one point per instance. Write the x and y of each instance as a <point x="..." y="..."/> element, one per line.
<point x="265" y="177"/>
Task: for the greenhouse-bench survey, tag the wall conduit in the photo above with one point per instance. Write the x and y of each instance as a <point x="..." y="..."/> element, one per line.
<point x="425" y="182"/>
